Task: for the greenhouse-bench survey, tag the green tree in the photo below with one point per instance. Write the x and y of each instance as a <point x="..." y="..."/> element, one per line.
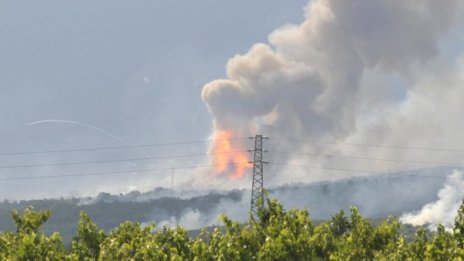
<point x="29" y="243"/>
<point x="286" y="234"/>
<point x="277" y="234"/>
<point x="442" y="247"/>
<point x="358" y="244"/>
<point x="419" y="245"/>
<point x="339" y="224"/>
<point x="86" y="244"/>
<point x="29" y="220"/>
<point x="459" y="226"/>
<point x="174" y="242"/>
<point x="129" y="241"/>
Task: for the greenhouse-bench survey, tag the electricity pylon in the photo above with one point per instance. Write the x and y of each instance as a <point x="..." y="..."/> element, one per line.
<point x="257" y="185"/>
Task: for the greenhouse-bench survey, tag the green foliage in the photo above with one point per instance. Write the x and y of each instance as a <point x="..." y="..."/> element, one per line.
<point x="339" y="224"/>
<point x="29" y="243"/>
<point x="129" y="241"/>
<point x="459" y="226"/>
<point x="30" y="220"/>
<point x="442" y="247"/>
<point x="86" y="244"/>
<point x="276" y="234"/>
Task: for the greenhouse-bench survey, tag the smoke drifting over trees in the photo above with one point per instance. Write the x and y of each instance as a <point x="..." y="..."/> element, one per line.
<point x="385" y="72"/>
<point x="354" y="72"/>
<point x="376" y="197"/>
<point x="440" y="211"/>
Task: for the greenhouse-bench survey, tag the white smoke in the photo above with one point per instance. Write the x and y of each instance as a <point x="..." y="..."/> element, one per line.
<point x="375" y="197"/>
<point x="355" y="71"/>
<point x="358" y="71"/>
<point x="444" y="210"/>
<point x="196" y="219"/>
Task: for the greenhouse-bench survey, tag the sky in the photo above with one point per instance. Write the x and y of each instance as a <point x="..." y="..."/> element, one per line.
<point x="132" y="68"/>
<point x="318" y="77"/>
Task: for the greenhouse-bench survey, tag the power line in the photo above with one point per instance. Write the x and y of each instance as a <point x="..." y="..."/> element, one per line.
<point x="111" y="147"/>
<point x="366" y="158"/>
<point x="373" y="145"/>
<point x="352" y="170"/>
<point x="113" y="161"/>
<point x="207" y="154"/>
<point x="326" y="168"/>
<point x="137" y="171"/>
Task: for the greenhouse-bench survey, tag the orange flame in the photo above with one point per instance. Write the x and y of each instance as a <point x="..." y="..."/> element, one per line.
<point x="229" y="157"/>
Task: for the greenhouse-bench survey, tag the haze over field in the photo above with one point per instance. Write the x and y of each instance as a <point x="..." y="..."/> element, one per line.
<point x="342" y="89"/>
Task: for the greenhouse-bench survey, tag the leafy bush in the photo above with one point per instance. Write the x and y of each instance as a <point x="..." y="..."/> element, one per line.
<point x="275" y="234"/>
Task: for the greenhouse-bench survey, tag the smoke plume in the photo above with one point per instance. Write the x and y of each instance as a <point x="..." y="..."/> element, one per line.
<point x="443" y="211"/>
<point x="353" y="71"/>
<point x="375" y="197"/>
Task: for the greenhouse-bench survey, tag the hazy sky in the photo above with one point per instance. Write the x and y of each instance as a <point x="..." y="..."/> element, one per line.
<point x="384" y="72"/>
<point x="133" y="68"/>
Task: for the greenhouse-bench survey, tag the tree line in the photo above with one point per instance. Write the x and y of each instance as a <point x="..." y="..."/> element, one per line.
<point x="275" y="234"/>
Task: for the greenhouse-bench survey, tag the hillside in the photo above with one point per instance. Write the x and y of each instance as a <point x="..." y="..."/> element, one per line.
<point x="376" y="197"/>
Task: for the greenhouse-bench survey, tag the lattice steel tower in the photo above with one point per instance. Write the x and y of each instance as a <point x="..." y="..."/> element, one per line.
<point x="257" y="195"/>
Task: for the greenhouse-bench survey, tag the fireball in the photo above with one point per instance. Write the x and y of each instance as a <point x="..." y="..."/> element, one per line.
<point x="229" y="156"/>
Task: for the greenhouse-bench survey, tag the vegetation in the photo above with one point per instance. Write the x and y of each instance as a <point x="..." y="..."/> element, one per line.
<point x="402" y="191"/>
<point x="276" y="234"/>
<point x="108" y="211"/>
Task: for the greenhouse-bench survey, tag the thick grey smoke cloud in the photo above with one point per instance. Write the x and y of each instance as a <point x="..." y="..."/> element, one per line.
<point x="354" y="71"/>
<point x="307" y="79"/>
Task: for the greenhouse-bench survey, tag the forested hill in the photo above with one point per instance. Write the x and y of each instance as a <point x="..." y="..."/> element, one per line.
<point x="109" y="214"/>
<point x="375" y="197"/>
